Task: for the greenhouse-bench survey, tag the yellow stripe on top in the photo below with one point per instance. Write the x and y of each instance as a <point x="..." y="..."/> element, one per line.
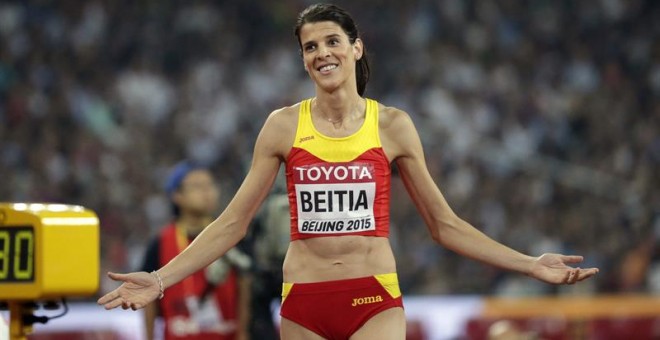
<point x="332" y="149"/>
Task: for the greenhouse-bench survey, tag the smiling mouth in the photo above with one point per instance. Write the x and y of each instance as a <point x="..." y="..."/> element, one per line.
<point x="327" y="68"/>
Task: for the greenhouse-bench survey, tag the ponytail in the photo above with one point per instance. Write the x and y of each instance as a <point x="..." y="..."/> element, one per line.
<point x="362" y="73"/>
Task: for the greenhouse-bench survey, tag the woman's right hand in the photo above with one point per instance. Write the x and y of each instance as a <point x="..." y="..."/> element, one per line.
<point x="137" y="290"/>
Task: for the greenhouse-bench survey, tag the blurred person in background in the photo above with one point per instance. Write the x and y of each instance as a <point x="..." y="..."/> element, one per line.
<point x="212" y="303"/>
<point x="269" y="236"/>
<point x="339" y="272"/>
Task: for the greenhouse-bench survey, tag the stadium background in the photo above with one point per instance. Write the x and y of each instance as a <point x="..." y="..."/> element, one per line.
<point x="540" y="120"/>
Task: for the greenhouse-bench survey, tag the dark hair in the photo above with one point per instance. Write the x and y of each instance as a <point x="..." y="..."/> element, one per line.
<point x="328" y="12"/>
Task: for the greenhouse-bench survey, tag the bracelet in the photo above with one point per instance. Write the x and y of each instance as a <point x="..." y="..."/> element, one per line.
<point x="160" y="284"/>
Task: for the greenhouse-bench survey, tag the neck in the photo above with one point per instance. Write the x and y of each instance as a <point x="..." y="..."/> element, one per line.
<point x="192" y="224"/>
<point x="338" y="105"/>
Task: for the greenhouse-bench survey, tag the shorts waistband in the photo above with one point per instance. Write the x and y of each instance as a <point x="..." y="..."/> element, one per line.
<point x="342" y="285"/>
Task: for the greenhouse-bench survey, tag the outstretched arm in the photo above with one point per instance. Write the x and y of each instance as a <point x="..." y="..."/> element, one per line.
<point x="141" y="288"/>
<point x="446" y="228"/>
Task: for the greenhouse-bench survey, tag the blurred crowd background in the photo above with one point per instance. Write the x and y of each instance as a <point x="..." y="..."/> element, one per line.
<point x="540" y="119"/>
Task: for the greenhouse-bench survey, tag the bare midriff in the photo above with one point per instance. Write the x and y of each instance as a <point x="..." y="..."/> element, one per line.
<point x="337" y="258"/>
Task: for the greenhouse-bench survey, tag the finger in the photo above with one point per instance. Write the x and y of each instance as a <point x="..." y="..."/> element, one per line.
<point x="117" y="276"/>
<point x="108" y="297"/>
<point x="113" y="304"/>
<point x="572" y="258"/>
<point x="567" y="277"/>
<point x="587" y="273"/>
<point x="573" y="276"/>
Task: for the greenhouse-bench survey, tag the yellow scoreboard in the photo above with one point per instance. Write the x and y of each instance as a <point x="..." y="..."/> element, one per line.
<point x="47" y="251"/>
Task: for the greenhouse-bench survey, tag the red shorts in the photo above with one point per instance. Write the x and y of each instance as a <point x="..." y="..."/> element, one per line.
<point x="337" y="309"/>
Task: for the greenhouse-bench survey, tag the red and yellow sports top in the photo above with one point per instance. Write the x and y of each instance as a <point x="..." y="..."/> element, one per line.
<point x="338" y="186"/>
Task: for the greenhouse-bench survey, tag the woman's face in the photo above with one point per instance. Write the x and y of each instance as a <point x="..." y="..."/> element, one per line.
<point x="328" y="55"/>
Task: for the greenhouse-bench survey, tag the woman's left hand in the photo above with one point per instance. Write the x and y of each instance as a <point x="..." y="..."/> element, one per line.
<point x="555" y="269"/>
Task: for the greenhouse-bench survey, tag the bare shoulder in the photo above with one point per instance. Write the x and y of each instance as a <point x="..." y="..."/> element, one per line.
<point x="284" y="116"/>
<point x="393" y="122"/>
<point x="279" y="130"/>
<point x="397" y="132"/>
<point x="392" y="117"/>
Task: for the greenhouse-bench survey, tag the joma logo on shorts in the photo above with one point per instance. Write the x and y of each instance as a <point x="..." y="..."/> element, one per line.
<point x="367" y="300"/>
